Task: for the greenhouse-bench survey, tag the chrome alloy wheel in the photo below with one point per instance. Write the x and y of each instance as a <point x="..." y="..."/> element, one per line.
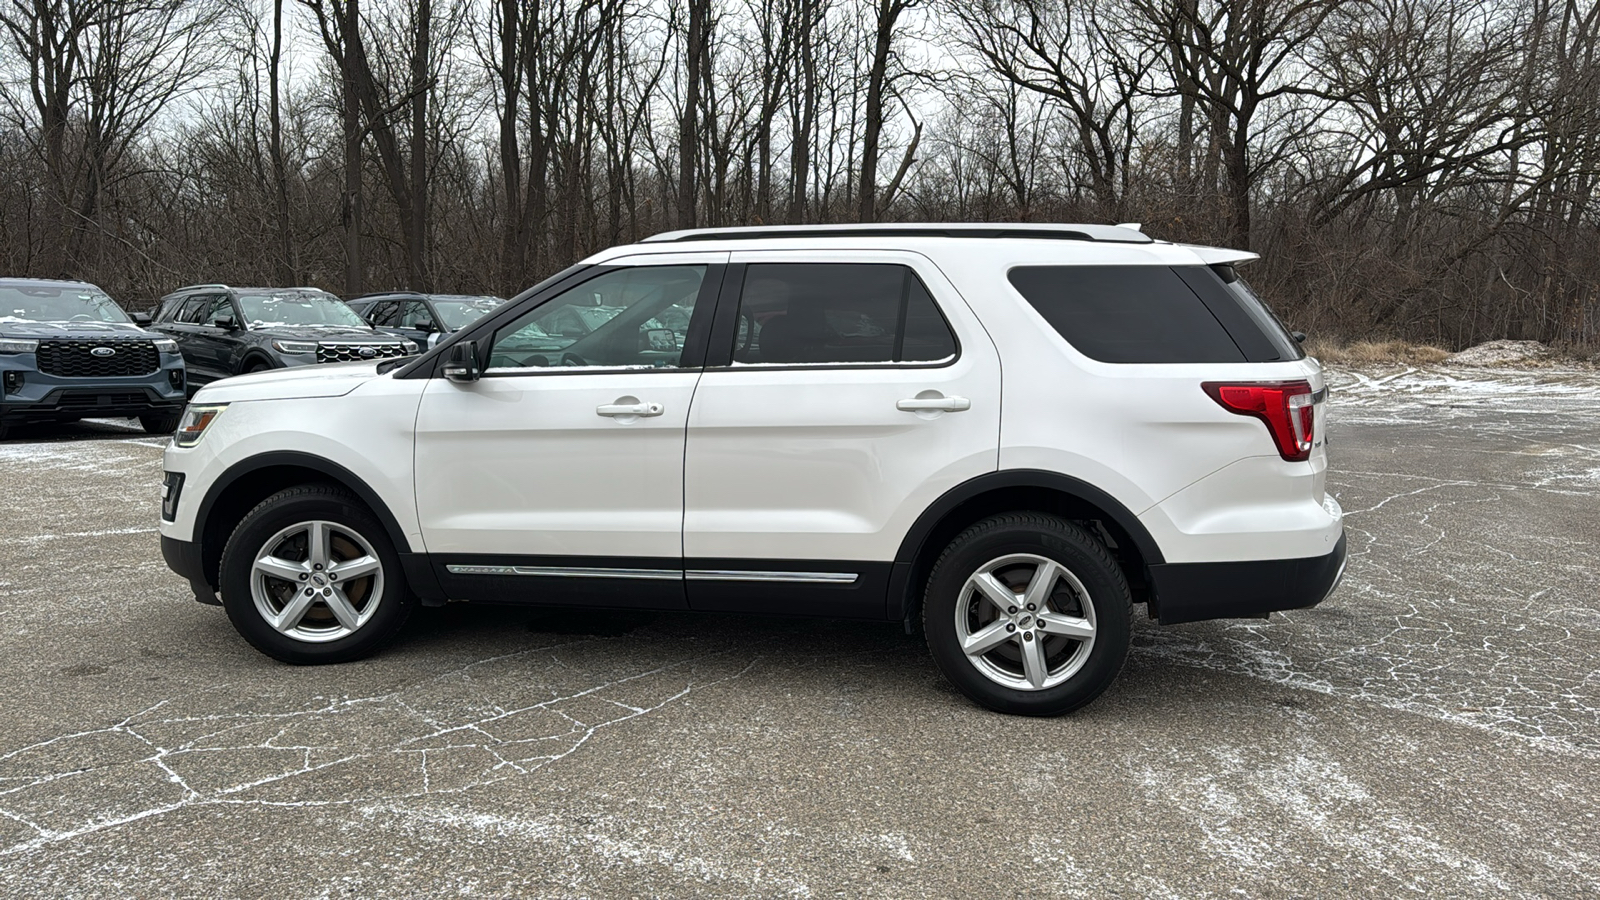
<point x="317" y="581"/>
<point x="1025" y="622"/>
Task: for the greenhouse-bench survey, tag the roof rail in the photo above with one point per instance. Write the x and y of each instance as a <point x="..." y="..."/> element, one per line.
<point x="1112" y="234"/>
<point x="389" y="294"/>
<point x="191" y="287"/>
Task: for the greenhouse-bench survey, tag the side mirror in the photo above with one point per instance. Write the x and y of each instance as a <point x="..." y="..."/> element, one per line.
<point x="226" y="323"/>
<point x="141" y="319"/>
<point x="433" y="340"/>
<point x="1299" y="336"/>
<point x="462" y="365"/>
<point x="660" y="339"/>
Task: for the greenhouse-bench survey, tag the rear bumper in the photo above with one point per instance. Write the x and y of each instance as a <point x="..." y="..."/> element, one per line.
<point x="1193" y="592"/>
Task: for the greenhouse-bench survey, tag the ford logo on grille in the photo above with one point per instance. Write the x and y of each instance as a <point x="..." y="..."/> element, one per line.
<point x="103" y="351"/>
<point x="367" y="352"/>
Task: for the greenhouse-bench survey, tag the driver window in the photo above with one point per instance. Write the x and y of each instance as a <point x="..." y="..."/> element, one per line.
<point x="635" y="318"/>
<point x="414" y="314"/>
<point x="218" y="307"/>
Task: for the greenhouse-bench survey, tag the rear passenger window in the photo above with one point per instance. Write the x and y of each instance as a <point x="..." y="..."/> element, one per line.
<point x="1126" y="314"/>
<point x="838" y="313"/>
<point x="194" y="310"/>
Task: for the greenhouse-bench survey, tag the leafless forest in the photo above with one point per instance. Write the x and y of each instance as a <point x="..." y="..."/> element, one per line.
<point x="1423" y="169"/>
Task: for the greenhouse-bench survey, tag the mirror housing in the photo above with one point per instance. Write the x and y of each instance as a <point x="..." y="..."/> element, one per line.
<point x="660" y="339"/>
<point x="462" y="365"/>
<point x="141" y="319"/>
<point x="226" y="323"/>
<point x="433" y="339"/>
<point x="1299" y="336"/>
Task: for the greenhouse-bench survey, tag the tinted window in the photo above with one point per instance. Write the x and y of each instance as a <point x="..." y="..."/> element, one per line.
<point x="634" y="317"/>
<point x="414" y="314"/>
<point x="218" y="307"/>
<point x="799" y="313"/>
<point x="194" y="310"/>
<point x="381" y="313"/>
<point x="1126" y="314"/>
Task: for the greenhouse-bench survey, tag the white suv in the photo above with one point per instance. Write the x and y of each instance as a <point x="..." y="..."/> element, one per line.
<point x="1012" y="434"/>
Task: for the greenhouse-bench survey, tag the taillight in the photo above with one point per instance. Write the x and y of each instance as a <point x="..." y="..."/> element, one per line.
<point x="1286" y="406"/>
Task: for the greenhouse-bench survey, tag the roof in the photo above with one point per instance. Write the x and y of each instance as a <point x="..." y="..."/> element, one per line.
<point x="1115" y="234"/>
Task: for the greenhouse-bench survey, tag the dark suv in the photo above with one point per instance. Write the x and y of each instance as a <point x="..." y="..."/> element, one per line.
<point x="68" y="352"/>
<point x="227" y="331"/>
<point x="424" y="318"/>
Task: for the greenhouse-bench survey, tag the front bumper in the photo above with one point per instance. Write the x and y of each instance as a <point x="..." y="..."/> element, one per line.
<point x="1193" y="592"/>
<point x="37" y="397"/>
<point x="184" y="558"/>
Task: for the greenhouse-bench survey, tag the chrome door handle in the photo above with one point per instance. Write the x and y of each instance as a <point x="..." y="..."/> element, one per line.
<point x="934" y="404"/>
<point x="630" y="409"/>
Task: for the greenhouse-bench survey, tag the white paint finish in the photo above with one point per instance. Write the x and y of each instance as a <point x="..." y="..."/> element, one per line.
<point x="326" y="380"/>
<point x="368" y="432"/>
<point x="523" y="464"/>
<point x="818" y="463"/>
<point x="1256" y="508"/>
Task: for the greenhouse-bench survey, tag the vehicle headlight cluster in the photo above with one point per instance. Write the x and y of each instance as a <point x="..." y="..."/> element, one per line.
<point x="166" y="345"/>
<point x="295" y="346"/>
<point x="411" y="346"/>
<point x="196" y="419"/>
<point x="15" y="346"/>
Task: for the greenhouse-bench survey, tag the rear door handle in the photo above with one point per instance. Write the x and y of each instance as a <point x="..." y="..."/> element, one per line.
<point x="934" y="404"/>
<point x="630" y="409"/>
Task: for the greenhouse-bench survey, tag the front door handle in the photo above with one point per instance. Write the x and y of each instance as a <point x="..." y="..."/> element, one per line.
<point x="934" y="404"/>
<point x="642" y="410"/>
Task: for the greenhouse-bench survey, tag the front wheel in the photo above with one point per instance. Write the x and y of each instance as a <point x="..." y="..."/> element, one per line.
<point x="1027" y="613"/>
<point x="160" y="423"/>
<point x="309" y="576"/>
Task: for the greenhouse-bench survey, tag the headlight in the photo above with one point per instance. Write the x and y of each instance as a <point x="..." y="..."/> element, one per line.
<point x="10" y="346"/>
<point x="295" y="346"/>
<point x="411" y="346"/>
<point x="166" y="345"/>
<point x="195" y="421"/>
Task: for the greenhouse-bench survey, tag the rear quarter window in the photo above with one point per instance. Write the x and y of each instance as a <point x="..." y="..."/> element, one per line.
<point x="1126" y="314"/>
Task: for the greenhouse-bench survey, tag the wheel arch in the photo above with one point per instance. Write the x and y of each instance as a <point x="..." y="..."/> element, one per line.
<point x="253" y="356"/>
<point x="1014" y="490"/>
<point x="247" y="483"/>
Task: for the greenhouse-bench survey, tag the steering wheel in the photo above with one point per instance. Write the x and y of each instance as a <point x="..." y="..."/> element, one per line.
<point x="572" y="359"/>
<point x="82" y="317"/>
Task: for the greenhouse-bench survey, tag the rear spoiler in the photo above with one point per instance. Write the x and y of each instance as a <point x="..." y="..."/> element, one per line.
<point x="1214" y="256"/>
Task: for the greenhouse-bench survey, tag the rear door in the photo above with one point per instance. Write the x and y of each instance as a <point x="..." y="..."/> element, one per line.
<point x="844" y="393"/>
<point x="558" y="475"/>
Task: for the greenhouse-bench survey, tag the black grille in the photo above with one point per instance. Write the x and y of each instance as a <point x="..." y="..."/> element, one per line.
<point x="77" y="359"/>
<point x="90" y="400"/>
<point x="327" y="353"/>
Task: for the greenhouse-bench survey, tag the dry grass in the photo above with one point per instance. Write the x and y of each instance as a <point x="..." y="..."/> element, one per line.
<point x="1370" y="353"/>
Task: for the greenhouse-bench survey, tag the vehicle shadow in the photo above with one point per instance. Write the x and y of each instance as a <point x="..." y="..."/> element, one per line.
<point x="83" y="430"/>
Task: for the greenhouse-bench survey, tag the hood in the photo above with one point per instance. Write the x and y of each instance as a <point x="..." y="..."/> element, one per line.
<point x="21" y="328"/>
<point x="323" y="332"/>
<point x="298" y="382"/>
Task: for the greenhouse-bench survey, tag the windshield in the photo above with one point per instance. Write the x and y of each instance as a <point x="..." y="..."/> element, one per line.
<point x="459" y="312"/>
<point x="266" y="310"/>
<point x="51" y="303"/>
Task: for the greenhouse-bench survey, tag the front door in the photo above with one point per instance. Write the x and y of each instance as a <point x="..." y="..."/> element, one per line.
<point x="558" y="475"/>
<point x="851" y="390"/>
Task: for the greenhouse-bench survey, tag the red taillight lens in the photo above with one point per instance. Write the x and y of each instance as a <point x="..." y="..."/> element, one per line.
<point x="1288" y="408"/>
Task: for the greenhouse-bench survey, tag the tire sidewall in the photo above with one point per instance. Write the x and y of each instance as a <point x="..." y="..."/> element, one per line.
<point x="274" y="515"/>
<point x="1067" y="545"/>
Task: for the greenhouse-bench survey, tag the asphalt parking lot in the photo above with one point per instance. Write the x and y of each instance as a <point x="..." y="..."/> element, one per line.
<point x="1432" y="730"/>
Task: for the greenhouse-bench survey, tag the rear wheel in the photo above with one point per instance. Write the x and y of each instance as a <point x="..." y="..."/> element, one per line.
<point x="309" y="576"/>
<point x="1027" y="613"/>
<point x="160" y="423"/>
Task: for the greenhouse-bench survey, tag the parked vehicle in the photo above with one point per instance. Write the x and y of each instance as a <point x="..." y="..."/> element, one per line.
<point x="827" y="433"/>
<point x="225" y="331"/>
<point x="424" y="318"/>
<point x="69" y="352"/>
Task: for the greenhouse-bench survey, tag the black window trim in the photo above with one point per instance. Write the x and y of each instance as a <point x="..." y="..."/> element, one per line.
<point x="725" y="329"/>
<point x="693" y="358"/>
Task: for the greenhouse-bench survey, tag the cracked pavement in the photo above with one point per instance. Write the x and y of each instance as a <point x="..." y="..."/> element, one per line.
<point x="1432" y="730"/>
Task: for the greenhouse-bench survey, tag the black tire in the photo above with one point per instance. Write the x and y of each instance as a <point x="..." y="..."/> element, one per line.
<point x="160" y="423"/>
<point x="351" y="523"/>
<point x="255" y="366"/>
<point x="1019" y="543"/>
